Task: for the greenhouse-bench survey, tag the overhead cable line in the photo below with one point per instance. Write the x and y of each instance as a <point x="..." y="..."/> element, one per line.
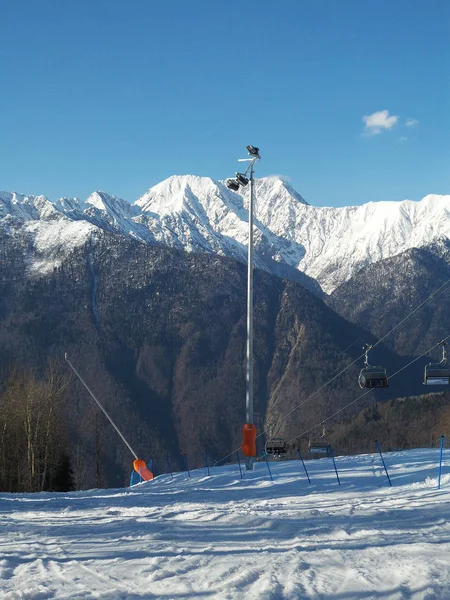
<point x="302" y="403"/>
<point x="433" y="295"/>
<point x="323" y="421"/>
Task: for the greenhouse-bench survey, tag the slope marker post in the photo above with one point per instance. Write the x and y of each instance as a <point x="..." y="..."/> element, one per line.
<point x="239" y="463"/>
<point x="334" y="463"/>
<point x="382" y="460"/>
<point x="168" y="466"/>
<point x="267" y="463"/>
<point x="440" y="461"/>
<point x="187" y="464"/>
<point x="304" y="466"/>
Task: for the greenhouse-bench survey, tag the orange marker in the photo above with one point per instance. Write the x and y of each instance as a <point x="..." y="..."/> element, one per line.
<point x="141" y="468"/>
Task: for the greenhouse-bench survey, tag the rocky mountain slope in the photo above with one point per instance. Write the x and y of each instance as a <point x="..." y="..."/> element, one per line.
<point x="380" y="296"/>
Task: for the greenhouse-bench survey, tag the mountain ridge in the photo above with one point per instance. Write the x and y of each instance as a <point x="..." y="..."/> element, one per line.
<point x="317" y="246"/>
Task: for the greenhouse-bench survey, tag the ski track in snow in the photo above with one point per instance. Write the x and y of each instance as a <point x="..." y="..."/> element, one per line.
<point x="227" y="538"/>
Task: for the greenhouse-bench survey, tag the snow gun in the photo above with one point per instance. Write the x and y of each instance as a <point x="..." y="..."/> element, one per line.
<point x="138" y="464"/>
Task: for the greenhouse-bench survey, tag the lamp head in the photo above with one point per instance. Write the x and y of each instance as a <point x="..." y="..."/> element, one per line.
<point x="233" y="184"/>
<point x="241" y="179"/>
<point x="253" y="151"/>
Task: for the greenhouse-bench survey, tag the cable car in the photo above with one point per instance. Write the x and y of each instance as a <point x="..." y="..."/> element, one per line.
<point x="276" y="446"/>
<point x="372" y="377"/>
<point x="438" y="373"/>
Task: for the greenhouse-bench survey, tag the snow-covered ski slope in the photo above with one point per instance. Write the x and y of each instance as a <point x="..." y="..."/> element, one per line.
<point x="222" y="537"/>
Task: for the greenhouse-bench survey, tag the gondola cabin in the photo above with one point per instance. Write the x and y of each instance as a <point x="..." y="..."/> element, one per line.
<point x="276" y="447"/>
<point x="318" y="446"/>
<point x="373" y="377"/>
<point x="438" y="374"/>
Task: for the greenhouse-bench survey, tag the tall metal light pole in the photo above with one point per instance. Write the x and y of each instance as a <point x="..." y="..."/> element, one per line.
<point x="249" y="431"/>
<point x="249" y="393"/>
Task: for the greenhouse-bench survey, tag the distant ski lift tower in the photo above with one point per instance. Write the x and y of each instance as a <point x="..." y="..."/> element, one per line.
<point x="249" y="429"/>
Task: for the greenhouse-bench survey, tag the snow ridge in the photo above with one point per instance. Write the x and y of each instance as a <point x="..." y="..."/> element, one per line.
<point x="202" y="215"/>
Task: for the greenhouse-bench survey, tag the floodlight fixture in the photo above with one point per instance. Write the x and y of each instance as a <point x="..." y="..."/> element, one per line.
<point x="233" y="184"/>
<point x="242" y="179"/>
<point x="253" y="151"/>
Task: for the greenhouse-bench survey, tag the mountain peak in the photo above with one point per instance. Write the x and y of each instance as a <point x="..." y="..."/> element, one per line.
<point x="101" y="200"/>
<point x="275" y="187"/>
<point x="170" y="195"/>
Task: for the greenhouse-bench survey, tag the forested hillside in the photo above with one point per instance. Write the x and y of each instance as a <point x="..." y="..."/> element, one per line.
<point x="403" y="423"/>
<point x="159" y="335"/>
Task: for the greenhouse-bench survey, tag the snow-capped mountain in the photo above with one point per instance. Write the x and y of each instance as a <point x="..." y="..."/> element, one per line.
<point x="199" y="214"/>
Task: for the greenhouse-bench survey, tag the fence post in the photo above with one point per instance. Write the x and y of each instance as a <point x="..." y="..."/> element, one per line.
<point x="440" y="461"/>
<point x="187" y="464"/>
<point x="382" y="460"/>
<point x="334" y="463"/>
<point x="239" y="463"/>
<point x="267" y="463"/>
<point x="303" y="463"/>
<point x="207" y="463"/>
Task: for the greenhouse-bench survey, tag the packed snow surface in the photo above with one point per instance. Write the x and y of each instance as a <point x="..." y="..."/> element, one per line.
<point x="222" y="537"/>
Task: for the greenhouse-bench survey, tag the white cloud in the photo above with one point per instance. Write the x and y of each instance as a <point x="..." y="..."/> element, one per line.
<point x="403" y="138"/>
<point x="379" y="121"/>
<point x="285" y="178"/>
<point x="411" y="122"/>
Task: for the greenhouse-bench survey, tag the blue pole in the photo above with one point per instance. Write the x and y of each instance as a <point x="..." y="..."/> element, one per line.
<point x="440" y="462"/>
<point x="168" y="466"/>
<point x="267" y="463"/>
<point x="239" y="463"/>
<point x="134" y="478"/>
<point x="384" y="464"/>
<point x="334" y="463"/>
<point x="207" y="463"/>
<point x="187" y="464"/>
<point x="303" y="463"/>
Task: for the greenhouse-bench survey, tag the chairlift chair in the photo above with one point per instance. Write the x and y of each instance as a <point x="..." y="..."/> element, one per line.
<point x="276" y="447"/>
<point x="319" y="445"/>
<point x="438" y="373"/>
<point x="372" y="377"/>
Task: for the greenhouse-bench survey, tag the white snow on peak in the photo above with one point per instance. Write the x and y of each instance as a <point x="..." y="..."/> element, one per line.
<point x="201" y="214"/>
<point x="173" y="194"/>
<point x="55" y="239"/>
<point x="105" y="202"/>
<point x="25" y="207"/>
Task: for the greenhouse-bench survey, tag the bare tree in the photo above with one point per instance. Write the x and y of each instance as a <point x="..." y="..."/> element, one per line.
<point x="32" y="429"/>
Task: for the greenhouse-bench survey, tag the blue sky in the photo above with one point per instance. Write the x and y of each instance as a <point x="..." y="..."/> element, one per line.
<point x="117" y="96"/>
